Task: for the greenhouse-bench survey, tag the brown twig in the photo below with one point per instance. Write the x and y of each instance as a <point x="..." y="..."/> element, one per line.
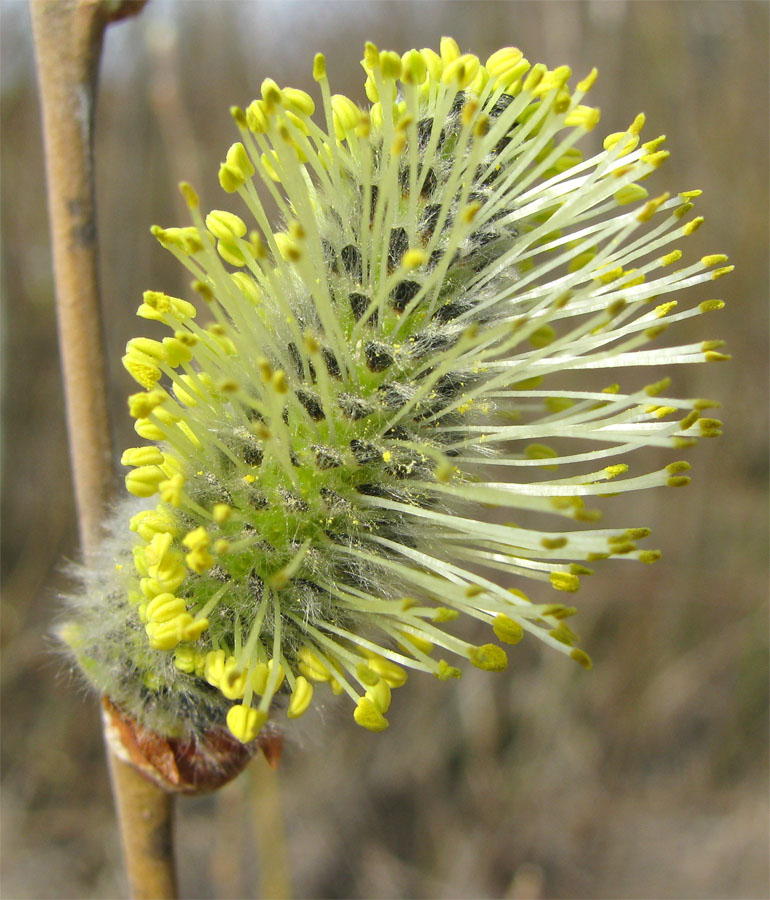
<point x="68" y="40"/>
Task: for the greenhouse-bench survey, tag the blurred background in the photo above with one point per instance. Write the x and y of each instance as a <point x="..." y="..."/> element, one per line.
<point x="647" y="777"/>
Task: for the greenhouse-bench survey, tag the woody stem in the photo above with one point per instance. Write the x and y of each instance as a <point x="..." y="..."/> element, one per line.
<point x="68" y="40"/>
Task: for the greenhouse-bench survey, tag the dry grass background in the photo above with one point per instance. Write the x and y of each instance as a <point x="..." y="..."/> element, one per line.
<point x="646" y="778"/>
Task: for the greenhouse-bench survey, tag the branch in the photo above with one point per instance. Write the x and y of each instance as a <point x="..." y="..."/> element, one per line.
<point x="68" y="40"/>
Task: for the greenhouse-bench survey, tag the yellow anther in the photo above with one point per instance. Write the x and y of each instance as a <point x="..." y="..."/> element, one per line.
<point x="607" y="277"/>
<point x="616" y="307"/>
<point x="257" y="117"/>
<point x="670" y="258"/>
<point x="413" y="259"/>
<point x="588" y="82"/>
<point x="144" y="481"/>
<point x="535" y="76"/>
<point x="190" y="195"/>
<point x="164" y="607"/>
<point x="649" y="556"/>
<point x="148" y="430"/>
<point x="319" y="67"/>
<point x="245" y="722"/>
<point x="445" y="614"/>
<point x="236" y="168"/>
<point x="563" y="633"/>
<point x="220" y="546"/>
<point x="239" y="116"/>
<point x="164" y="635"/>
<point x="444" y="671"/>
<point x="185" y="659"/>
<point x="204" y="289"/>
<point x="612" y="140"/>
<point x="542" y="337"/>
<point x="364" y="127"/>
<point x="371" y="58"/>
<point x="664" y="309"/>
<point x="715" y="356"/>
<point x="346" y="115"/>
<point x="710" y="427"/>
<point x="394" y="674"/>
<point x="196" y="539"/>
<point x="225" y="225"/>
<point x="652" y="390"/>
<point x="678" y="481"/>
<point x="366" y="674"/>
<point x="141" y="456"/>
<point x="433" y="63"/>
<point x="553" y="543"/>
<point x="689" y="420"/>
<point x="413" y="68"/>
<point x="507" y="629"/>
<point x="199" y="561"/>
<point x="158" y="547"/>
<point x="221" y="513"/>
<point x="379" y="694"/>
<point x="421" y="643"/>
<point x="470" y="212"/>
<point x="278" y="382"/>
<point x="503" y="65"/>
<point x="651" y="207"/>
<point x="461" y="71"/>
<point x="312" y="666"/>
<point x="368" y="716"/>
<point x="539" y="451"/>
<point x="271" y="664"/>
<point x="710" y="305"/>
<point x="142" y="369"/>
<point x="271" y="93"/>
<point x="581" y="657"/>
<point x="559" y="611"/>
<point x="178" y="352"/>
<point x="655" y="332"/>
<point x="185" y="337"/>
<point x="655" y="159"/>
<point x="481" y="125"/>
<point x="150" y="522"/>
<point x="613" y="471"/>
<point x="247" y="286"/>
<point x="214" y="667"/>
<point x="300" y="101"/>
<point x="259" y="677"/>
<point x="157" y="305"/>
<point x="583" y="116"/>
<point x="398" y="144"/>
<point x="301" y="698"/>
<point x="631" y="193"/>
<point x="636" y="126"/>
<point x="147" y="347"/>
<point x="449" y="50"/>
<point x="582" y="260"/>
<point x="390" y="65"/>
<point x="565" y="581"/>
<point x="287" y="246"/>
<point x="233" y="680"/>
<point x="171" y="489"/>
<point x="185" y="239"/>
<point x="231" y="252"/>
<point x="489" y="657"/>
<point x="713" y="260"/>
